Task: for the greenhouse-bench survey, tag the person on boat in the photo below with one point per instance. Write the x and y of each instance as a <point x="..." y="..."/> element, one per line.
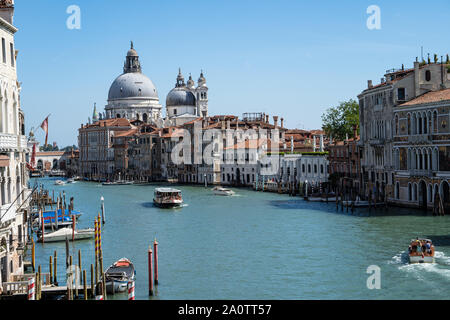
<point x="428" y="247"/>
<point x="410" y="249"/>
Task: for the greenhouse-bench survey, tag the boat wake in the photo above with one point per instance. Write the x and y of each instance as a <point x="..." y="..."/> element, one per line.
<point x="441" y="266"/>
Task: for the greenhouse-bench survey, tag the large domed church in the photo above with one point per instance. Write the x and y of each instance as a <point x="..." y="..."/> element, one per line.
<point x="133" y="96"/>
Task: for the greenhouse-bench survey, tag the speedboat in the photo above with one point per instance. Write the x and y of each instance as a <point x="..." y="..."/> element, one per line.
<point x="421" y="251"/>
<point x="167" y="198"/>
<point x="62" y="234"/>
<point x="59" y="183"/>
<point x="118" y="275"/>
<point x="223" y="191"/>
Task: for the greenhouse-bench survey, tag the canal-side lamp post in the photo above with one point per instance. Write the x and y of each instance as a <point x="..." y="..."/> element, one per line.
<point x="206" y="183"/>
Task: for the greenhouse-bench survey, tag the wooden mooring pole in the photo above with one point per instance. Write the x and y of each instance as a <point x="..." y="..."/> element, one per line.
<point x="84" y="285"/>
<point x="150" y="272"/>
<point x="92" y="281"/>
<point x="33" y="255"/>
<point x="51" y="269"/>
<point x="155" y="252"/>
<point x="55" y="279"/>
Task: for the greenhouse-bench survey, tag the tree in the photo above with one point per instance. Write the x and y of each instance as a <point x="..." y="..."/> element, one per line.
<point x="340" y="121"/>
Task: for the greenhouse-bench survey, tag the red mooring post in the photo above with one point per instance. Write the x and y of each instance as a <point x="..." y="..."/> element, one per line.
<point x="155" y="252"/>
<point x="150" y="274"/>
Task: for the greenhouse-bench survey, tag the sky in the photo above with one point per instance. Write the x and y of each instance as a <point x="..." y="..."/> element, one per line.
<point x="293" y="59"/>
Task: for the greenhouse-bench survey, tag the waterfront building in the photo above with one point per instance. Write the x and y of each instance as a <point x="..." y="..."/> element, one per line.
<point x="95" y="143"/>
<point x="345" y="159"/>
<point x="421" y="150"/>
<point x="377" y="105"/>
<point x="14" y="193"/>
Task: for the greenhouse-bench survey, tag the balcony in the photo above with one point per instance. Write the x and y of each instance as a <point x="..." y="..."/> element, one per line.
<point x="12" y="142"/>
<point x="421" y="173"/>
<point x="420" y="138"/>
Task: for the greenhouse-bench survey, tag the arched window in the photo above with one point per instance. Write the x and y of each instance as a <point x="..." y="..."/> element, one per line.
<point x="315" y="168"/>
<point x="145" y="117"/>
<point x="409" y="192"/>
<point x="435" y="125"/>
<point x="397" y="190"/>
<point x="428" y="75"/>
<point x="118" y="115"/>
<point x="409" y="123"/>
<point x="396" y="124"/>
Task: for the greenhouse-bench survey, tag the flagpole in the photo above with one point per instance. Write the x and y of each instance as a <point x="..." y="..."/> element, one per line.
<point x="34" y="129"/>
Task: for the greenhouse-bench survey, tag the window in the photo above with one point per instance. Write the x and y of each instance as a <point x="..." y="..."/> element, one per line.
<point x="174" y="112"/>
<point x="401" y="95"/>
<point x="428" y="75"/>
<point x="4" y="50"/>
<point x="11" y="47"/>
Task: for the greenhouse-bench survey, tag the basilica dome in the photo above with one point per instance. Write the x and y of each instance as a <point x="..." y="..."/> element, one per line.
<point x="133" y="85"/>
<point x="180" y="96"/>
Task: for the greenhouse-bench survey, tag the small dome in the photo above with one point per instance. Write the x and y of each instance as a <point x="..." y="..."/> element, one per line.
<point x="132" y="85"/>
<point x="180" y="97"/>
<point x="132" y="53"/>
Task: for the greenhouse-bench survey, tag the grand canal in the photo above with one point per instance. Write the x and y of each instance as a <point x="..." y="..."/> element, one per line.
<point x="257" y="245"/>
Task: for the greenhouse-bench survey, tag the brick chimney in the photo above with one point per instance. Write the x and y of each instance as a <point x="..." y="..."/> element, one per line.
<point x="267" y="118"/>
<point x="282" y="123"/>
<point x="369" y="84"/>
<point x="275" y="121"/>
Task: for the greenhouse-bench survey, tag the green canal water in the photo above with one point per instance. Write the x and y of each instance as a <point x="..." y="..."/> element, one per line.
<point x="257" y="245"/>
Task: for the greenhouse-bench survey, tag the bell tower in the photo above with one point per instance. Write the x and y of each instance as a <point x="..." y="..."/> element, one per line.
<point x="7" y="10"/>
<point x="202" y="96"/>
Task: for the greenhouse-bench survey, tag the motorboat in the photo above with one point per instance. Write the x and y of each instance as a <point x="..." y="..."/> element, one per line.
<point x="70" y="180"/>
<point x="220" y="191"/>
<point x="117" y="183"/>
<point x="167" y="198"/>
<point x="62" y="234"/>
<point x="421" y="251"/>
<point x="118" y="275"/>
<point x="59" y="183"/>
<point x="358" y="203"/>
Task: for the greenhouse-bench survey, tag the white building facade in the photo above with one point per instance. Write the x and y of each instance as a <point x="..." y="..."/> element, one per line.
<point x="13" y="152"/>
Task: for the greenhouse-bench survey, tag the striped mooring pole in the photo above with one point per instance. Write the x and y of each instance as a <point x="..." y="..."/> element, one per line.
<point x="31" y="291"/>
<point x="131" y="290"/>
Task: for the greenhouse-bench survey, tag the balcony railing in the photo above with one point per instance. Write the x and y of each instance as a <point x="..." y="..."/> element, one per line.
<point x="12" y="142"/>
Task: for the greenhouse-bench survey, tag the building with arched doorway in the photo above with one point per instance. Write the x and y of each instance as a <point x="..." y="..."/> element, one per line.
<point x="421" y="151"/>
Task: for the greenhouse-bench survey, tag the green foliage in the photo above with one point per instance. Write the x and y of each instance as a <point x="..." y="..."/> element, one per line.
<point x="339" y="121"/>
<point x="48" y="147"/>
<point x="70" y="148"/>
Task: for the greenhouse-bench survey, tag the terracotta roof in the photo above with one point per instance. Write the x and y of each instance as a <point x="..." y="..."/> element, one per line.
<point x="49" y="153"/>
<point x="116" y="122"/>
<point x="127" y="133"/>
<point x="429" y="97"/>
<point x="248" y="144"/>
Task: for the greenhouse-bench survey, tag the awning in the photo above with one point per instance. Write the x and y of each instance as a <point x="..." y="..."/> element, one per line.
<point x="4" y="161"/>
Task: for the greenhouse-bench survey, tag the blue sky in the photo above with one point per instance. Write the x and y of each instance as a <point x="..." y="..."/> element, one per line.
<point x="288" y="58"/>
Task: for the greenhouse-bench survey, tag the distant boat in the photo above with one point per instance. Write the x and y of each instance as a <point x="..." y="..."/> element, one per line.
<point x="419" y="253"/>
<point x="223" y="191"/>
<point x="59" y="183"/>
<point x="70" y="180"/>
<point x="167" y="198"/>
<point x="357" y="204"/>
<point x="62" y="234"/>
<point x="117" y="183"/>
<point x="118" y="275"/>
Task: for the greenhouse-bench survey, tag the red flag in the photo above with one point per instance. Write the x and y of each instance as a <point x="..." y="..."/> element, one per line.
<point x="44" y="127"/>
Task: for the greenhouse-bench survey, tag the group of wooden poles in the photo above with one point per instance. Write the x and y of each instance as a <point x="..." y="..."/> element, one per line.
<point x="98" y="279"/>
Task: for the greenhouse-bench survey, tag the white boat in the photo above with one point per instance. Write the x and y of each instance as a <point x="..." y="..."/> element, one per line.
<point x="167" y="198"/>
<point x="117" y="183"/>
<point x="357" y="204"/>
<point x="70" y="180"/>
<point x="118" y="275"/>
<point x="419" y="252"/>
<point x="314" y="199"/>
<point x="223" y="191"/>
<point x="62" y="234"/>
<point x="59" y="183"/>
